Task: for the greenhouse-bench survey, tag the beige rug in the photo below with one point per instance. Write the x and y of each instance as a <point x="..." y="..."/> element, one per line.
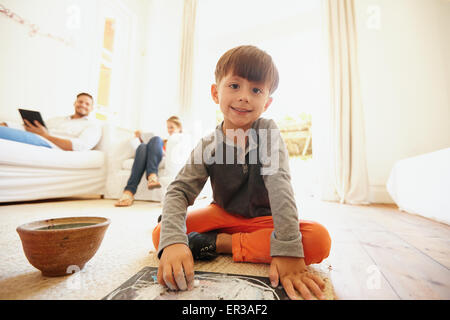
<point x="123" y="252"/>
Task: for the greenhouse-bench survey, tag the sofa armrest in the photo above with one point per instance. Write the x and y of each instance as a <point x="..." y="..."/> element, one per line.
<point x="117" y="147"/>
<point x="178" y="150"/>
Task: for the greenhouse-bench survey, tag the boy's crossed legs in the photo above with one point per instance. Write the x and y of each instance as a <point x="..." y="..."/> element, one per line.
<point x="250" y="237"/>
<point x="250" y="241"/>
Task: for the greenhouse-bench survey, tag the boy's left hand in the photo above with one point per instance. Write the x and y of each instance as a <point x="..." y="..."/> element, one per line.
<point x="292" y="274"/>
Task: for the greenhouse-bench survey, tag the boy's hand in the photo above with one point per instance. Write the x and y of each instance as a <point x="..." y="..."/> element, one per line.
<point x="176" y="267"/>
<point x="292" y="273"/>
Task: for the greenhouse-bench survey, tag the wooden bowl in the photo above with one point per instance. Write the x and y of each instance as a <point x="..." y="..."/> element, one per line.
<point x="59" y="247"/>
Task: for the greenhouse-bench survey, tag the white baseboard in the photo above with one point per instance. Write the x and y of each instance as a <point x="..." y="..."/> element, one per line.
<point x="377" y="194"/>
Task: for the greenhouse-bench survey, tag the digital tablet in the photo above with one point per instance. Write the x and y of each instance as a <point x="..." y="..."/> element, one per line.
<point x="31" y="115"/>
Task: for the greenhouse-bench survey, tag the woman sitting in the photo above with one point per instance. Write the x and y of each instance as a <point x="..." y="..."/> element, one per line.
<point x="147" y="159"/>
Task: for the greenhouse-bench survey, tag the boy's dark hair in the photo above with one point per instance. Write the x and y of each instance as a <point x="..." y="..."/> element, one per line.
<point x="248" y="62"/>
<point x="85" y="94"/>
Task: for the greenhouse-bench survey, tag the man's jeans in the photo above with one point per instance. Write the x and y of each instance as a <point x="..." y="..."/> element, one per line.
<point x="148" y="157"/>
<point x="22" y="136"/>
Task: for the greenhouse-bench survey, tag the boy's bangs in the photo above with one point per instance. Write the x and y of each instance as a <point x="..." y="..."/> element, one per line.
<point x="252" y="69"/>
<point x="249" y="63"/>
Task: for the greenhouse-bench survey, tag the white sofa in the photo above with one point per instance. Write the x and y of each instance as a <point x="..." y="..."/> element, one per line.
<point x="421" y="185"/>
<point x="29" y="172"/>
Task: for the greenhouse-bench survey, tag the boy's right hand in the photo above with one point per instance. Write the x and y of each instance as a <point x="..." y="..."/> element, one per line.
<point x="176" y="267"/>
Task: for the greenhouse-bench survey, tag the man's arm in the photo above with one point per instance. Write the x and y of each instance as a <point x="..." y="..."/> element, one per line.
<point x="88" y="139"/>
<point x="64" y="144"/>
<point x="39" y="129"/>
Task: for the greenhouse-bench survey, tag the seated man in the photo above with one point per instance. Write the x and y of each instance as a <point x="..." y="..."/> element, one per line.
<point x="70" y="133"/>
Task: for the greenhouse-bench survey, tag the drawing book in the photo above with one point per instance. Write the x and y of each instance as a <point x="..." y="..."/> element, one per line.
<point x="207" y="286"/>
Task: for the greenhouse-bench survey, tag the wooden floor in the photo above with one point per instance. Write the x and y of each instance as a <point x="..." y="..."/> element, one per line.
<point x="378" y="252"/>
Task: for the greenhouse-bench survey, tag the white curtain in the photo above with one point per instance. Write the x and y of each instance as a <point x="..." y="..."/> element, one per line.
<point x="347" y="140"/>
<point x="187" y="58"/>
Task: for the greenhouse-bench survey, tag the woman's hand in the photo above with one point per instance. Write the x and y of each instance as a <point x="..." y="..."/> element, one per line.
<point x="138" y="135"/>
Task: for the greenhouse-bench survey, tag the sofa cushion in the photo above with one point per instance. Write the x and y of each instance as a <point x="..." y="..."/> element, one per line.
<point x="21" y="154"/>
<point x="127" y="164"/>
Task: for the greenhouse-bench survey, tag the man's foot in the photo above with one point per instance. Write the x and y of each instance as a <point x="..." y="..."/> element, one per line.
<point x="203" y="245"/>
<point x="153" y="182"/>
<point x="125" y="200"/>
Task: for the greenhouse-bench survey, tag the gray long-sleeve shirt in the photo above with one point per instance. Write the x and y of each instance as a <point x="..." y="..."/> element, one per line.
<point x="250" y="184"/>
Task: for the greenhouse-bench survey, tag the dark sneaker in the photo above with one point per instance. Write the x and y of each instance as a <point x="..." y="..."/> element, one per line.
<point x="203" y="245"/>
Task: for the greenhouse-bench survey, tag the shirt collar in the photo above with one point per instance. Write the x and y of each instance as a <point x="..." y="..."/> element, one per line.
<point x="252" y="141"/>
<point x="70" y="118"/>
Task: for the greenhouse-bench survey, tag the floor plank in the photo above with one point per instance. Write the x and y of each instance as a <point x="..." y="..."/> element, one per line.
<point x="409" y="253"/>
<point x="429" y="237"/>
<point x="411" y="274"/>
<point x="353" y="273"/>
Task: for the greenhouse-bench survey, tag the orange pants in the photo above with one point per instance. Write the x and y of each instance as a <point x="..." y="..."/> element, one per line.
<point x="251" y="236"/>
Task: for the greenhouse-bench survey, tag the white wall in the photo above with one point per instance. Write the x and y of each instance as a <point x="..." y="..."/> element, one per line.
<point x="44" y="74"/>
<point x="39" y="72"/>
<point x="405" y="78"/>
<point x="141" y="9"/>
<point x="161" y="69"/>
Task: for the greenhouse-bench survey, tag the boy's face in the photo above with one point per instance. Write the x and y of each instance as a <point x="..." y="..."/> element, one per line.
<point x="241" y="101"/>
<point x="83" y="106"/>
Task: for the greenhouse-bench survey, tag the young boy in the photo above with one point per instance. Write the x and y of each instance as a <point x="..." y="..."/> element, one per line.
<point x="253" y="216"/>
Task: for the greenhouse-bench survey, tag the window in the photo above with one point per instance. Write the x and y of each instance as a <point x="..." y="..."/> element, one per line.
<point x="106" y="66"/>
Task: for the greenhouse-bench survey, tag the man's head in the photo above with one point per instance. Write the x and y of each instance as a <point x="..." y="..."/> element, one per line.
<point x="245" y="79"/>
<point x="83" y="104"/>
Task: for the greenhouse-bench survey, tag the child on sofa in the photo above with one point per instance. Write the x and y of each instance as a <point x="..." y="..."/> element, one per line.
<point x="253" y="216"/>
<point x="147" y="159"/>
